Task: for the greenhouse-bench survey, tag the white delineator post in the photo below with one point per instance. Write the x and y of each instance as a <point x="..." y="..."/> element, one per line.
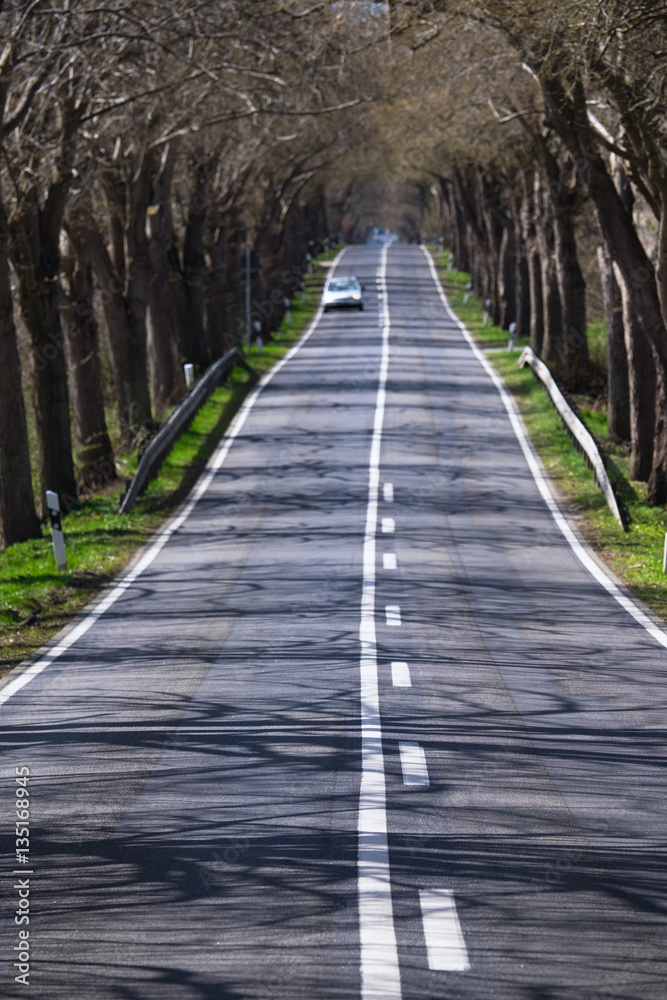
<point x="259" y="341"/>
<point x="53" y="503"/>
<point x="512" y="336"/>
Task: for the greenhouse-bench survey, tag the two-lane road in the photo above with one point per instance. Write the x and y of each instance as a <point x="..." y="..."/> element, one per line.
<point x="363" y="726"/>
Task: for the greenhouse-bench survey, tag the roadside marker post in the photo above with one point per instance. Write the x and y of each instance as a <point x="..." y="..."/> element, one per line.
<point x="53" y="503"/>
<point x="664" y="556"/>
<point x="512" y="336"/>
<point x="189" y="372"/>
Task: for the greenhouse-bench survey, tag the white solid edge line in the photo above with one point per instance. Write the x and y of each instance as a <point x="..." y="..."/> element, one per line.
<point x="543" y="486"/>
<point x="400" y="674"/>
<point x="445" y="943"/>
<point x="162" y="537"/>
<point x="380" y="972"/>
<point x="413" y="764"/>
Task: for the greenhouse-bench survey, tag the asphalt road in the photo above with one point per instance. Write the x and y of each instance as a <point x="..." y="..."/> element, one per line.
<point x="234" y="793"/>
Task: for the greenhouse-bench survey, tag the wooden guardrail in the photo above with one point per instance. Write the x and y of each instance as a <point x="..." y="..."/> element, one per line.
<point x="582" y="437"/>
<point x="161" y="444"/>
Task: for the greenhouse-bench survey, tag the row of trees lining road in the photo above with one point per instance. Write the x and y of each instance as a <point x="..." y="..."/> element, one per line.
<point x="146" y="145"/>
<point x="550" y="112"/>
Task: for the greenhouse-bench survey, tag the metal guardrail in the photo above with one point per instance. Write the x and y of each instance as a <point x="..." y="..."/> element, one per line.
<point x="582" y="437"/>
<point x="161" y="444"/>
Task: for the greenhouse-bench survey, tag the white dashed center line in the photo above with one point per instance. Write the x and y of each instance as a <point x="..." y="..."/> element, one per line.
<point x="389" y="560"/>
<point x="393" y="614"/>
<point x="388" y="492"/>
<point x="388" y="525"/>
<point x="413" y="764"/>
<point x="380" y="972"/>
<point x="445" y="943"/>
<point x="400" y="674"/>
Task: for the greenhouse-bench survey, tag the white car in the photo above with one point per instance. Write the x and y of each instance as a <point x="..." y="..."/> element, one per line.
<point x="343" y="293"/>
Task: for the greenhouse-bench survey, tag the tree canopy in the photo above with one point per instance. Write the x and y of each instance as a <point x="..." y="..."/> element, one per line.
<point x="145" y="145"/>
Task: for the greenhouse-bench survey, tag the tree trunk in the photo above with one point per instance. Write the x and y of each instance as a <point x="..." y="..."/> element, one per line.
<point x="493" y="230"/>
<point x="164" y="362"/>
<point x="483" y="276"/>
<point x="553" y="316"/>
<point x="194" y="267"/>
<point x="552" y="325"/>
<point x="618" y="388"/>
<point x="18" y="520"/>
<point x="137" y="279"/>
<point x="537" y="307"/>
<point x="95" y="456"/>
<point x="528" y="217"/>
<point x="235" y="229"/>
<point x="523" y="296"/>
<point x="89" y="246"/>
<point x="639" y="281"/>
<point x="447" y="233"/>
<point x="34" y="247"/>
<point x="522" y="280"/>
<point x="574" y="357"/>
<point x="127" y="190"/>
<point x="662" y="251"/>
<point x="458" y="229"/>
<point x="217" y="332"/>
<point x="179" y="301"/>
<point x="507" y="278"/>
<point x="573" y="354"/>
<point x="642" y="387"/>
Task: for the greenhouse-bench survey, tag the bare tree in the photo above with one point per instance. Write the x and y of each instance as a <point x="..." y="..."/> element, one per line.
<point x="95" y="457"/>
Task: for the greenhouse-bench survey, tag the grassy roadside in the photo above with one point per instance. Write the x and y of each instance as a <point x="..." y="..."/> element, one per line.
<point x="634" y="556"/>
<point x="35" y="600"/>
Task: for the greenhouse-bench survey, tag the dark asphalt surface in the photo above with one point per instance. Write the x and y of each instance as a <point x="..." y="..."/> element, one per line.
<point x="195" y="756"/>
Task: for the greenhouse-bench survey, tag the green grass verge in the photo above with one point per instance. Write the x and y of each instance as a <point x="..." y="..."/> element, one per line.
<point x="35" y="600"/>
<point x="635" y="556"/>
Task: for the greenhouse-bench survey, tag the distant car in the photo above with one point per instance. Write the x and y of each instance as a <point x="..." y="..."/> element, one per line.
<point x="343" y="293"/>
